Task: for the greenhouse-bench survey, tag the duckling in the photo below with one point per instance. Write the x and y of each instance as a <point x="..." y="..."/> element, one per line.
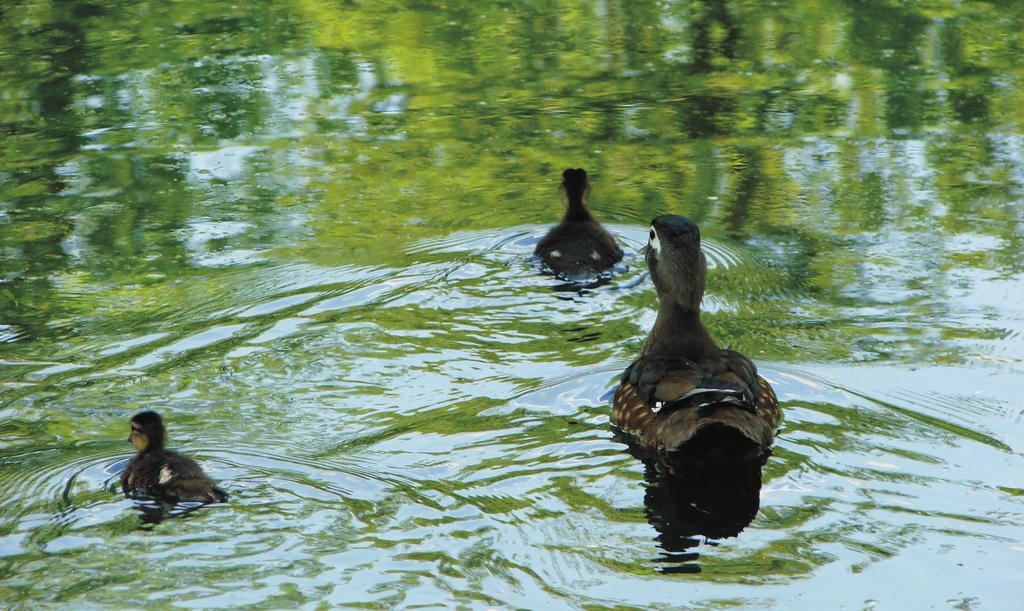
<point x="579" y="244"/>
<point x="162" y="473"/>
<point x="685" y="398"/>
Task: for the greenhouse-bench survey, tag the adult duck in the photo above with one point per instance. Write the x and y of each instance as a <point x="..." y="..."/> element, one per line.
<point x="685" y="398"/>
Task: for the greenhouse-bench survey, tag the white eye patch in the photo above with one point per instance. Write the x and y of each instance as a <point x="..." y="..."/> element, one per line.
<point x="654" y="244"/>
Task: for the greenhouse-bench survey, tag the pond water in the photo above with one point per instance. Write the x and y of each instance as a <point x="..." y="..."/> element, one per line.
<point x="302" y="232"/>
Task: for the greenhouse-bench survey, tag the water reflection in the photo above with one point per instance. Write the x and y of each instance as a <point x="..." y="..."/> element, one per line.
<point x="694" y="502"/>
<point x="154" y="511"/>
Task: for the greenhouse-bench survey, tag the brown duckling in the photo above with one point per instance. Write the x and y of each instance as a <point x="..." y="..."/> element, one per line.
<point x="579" y="244"/>
<point x="685" y="398"/>
<point x="162" y="473"/>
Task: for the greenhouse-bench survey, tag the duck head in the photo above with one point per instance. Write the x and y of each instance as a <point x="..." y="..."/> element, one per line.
<point x="575" y="191"/>
<point x="676" y="261"/>
<point x="148" y="432"/>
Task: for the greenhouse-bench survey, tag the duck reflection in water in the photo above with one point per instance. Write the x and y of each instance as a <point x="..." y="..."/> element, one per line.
<point x="154" y="511"/>
<point x="696" y="500"/>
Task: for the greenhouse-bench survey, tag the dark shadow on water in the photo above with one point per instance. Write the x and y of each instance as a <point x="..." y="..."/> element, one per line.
<point x="152" y="511"/>
<point x="580" y="286"/>
<point x="576" y="283"/>
<point x="696" y="503"/>
<point x="571" y="285"/>
<point x="709" y="501"/>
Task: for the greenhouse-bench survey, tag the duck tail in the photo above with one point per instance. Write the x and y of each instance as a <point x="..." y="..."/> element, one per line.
<point x="199" y="490"/>
<point x="727" y="436"/>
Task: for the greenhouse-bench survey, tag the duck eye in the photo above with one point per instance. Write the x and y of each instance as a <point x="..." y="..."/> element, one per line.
<point x="652" y="234"/>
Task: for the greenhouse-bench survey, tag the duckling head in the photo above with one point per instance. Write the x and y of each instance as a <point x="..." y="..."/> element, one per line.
<point x="148" y="431"/>
<point x="676" y="262"/>
<point x="575" y="191"/>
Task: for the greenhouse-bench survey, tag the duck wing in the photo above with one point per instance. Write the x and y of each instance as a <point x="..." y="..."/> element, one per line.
<point x="728" y="377"/>
<point x="661" y="377"/>
<point x="717" y="405"/>
<point x="680" y="382"/>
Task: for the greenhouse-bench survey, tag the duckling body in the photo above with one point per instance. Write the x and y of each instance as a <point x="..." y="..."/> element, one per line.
<point x="685" y="398"/>
<point x="163" y="473"/>
<point x="578" y="244"/>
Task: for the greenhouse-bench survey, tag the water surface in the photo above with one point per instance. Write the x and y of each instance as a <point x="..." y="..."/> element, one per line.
<point x="302" y="232"/>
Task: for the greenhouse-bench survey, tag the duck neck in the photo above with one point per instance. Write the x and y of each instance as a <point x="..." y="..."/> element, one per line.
<point x="679" y="331"/>
<point x="576" y="212"/>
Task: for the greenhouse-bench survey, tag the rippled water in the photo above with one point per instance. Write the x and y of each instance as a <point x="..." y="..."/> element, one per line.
<point x="302" y="232"/>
